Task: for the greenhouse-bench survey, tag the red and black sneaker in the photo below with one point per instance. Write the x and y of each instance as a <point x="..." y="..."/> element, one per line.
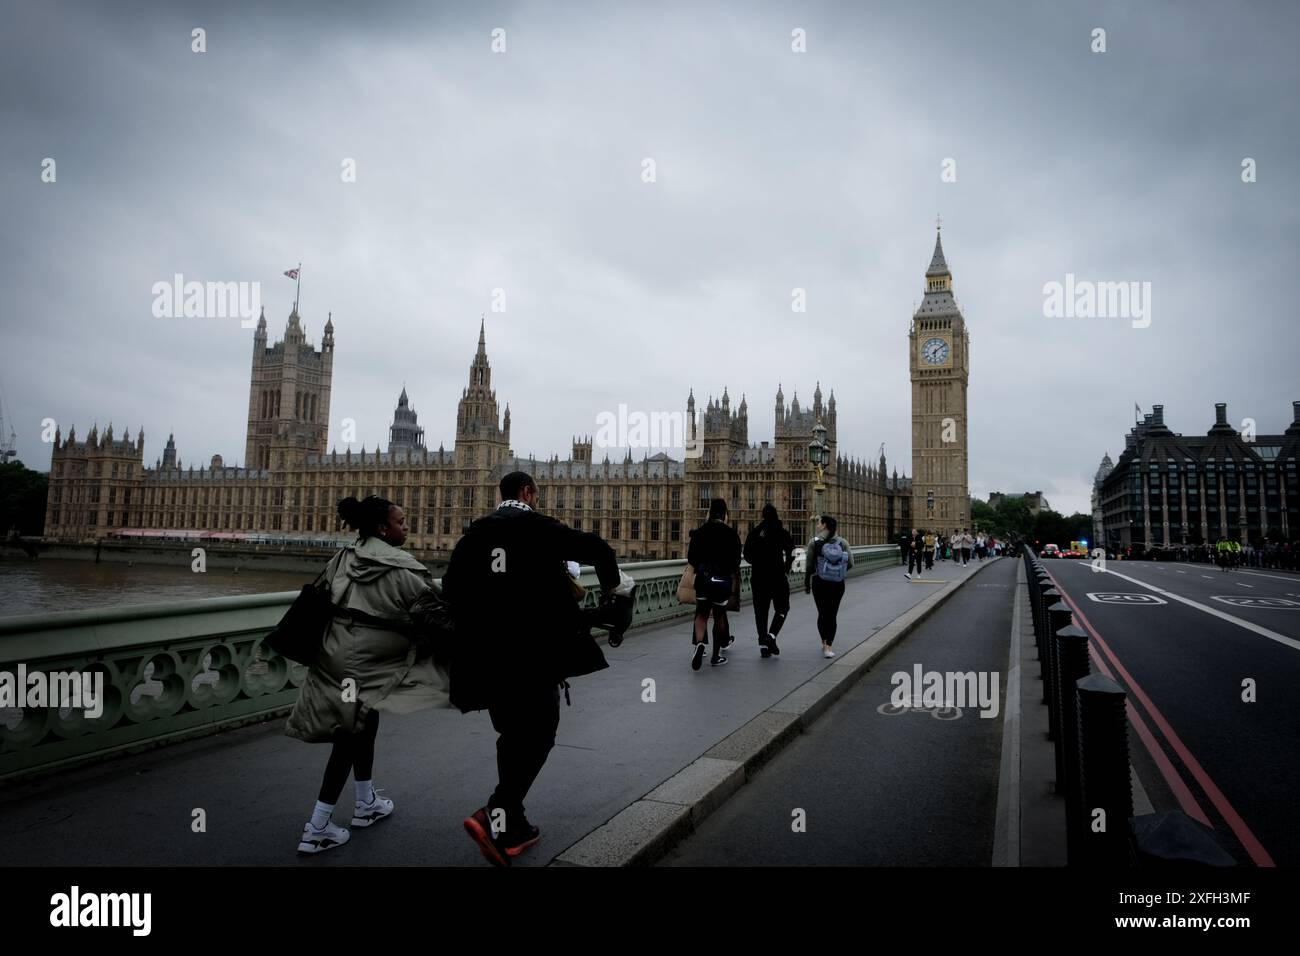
<point x="479" y="826"/>
<point x="517" y="841"/>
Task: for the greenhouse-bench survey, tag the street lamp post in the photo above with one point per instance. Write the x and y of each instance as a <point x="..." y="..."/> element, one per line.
<point x="819" y="458"/>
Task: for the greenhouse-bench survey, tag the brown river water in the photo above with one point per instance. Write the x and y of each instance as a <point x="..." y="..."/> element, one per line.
<point x="47" y="586"/>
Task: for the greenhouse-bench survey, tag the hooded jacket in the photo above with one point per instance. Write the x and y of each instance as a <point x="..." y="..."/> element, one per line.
<point x="714" y="549"/>
<point x="388" y="668"/>
<point x="770" y="551"/>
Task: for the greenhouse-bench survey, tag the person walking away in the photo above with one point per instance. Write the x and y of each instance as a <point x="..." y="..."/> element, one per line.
<point x="905" y="553"/>
<point x="916" y="554"/>
<point x="368" y="662"/>
<point x="769" y="549"/>
<point x="966" y="542"/>
<point x="829" y="561"/>
<point x="518" y="640"/>
<point x="929" y="550"/>
<point x="714" y="552"/>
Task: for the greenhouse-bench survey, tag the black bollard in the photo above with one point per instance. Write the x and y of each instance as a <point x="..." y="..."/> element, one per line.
<point x="1104" y="782"/>
<point x="1058" y="616"/>
<point x="1050" y="597"/>
<point x="1071" y="659"/>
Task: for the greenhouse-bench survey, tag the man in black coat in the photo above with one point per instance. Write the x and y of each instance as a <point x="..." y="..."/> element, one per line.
<point x="518" y="638"/>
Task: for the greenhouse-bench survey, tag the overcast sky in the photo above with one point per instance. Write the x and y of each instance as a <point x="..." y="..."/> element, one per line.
<point x="775" y="170"/>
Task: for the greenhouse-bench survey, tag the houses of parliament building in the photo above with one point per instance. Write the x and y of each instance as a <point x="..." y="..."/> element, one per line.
<point x="289" y="485"/>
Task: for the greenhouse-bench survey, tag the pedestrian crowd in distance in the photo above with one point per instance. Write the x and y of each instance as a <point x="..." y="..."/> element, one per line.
<point x="922" y="547"/>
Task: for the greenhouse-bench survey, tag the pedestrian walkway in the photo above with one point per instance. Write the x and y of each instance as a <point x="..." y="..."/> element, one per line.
<point x="630" y="728"/>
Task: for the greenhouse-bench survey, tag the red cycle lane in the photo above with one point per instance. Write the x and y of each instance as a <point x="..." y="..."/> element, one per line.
<point x="1226" y="761"/>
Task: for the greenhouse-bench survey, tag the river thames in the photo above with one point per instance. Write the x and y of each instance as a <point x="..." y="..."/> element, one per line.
<point x="49" y="586"/>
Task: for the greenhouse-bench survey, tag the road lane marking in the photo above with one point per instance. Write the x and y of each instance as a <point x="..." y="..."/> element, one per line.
<point x="1223" y="616"/>
<point x="1245" y="600"/>
<point x="1206" y="576"/>
<point x="1240" y="585"/>
<point x="1180" y="571"/>
<point x="1260" y="574"/>
<point x="1248" y="840"/>
<point x="1125" y="597"/>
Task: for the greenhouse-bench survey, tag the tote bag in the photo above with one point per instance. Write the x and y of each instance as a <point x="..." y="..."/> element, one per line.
<point x="686" y="587"/>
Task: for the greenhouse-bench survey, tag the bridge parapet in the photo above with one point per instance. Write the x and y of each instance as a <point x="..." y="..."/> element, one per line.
<point x="190" y="668"/>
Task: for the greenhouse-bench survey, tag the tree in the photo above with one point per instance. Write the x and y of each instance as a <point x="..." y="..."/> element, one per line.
<point x="22" y="499"/>
<point x="1011" y="516"/>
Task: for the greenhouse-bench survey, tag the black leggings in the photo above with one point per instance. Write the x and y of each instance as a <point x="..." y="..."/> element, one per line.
<point x="351" y="752"/>
<point x="827" y="595"/>
<point x="777" y="595"/>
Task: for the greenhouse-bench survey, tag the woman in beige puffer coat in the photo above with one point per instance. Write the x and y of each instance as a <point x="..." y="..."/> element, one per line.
<point x="370" y="660"/>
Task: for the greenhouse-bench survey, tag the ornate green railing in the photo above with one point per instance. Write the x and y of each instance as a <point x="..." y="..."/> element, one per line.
<point x="189" y="668"/>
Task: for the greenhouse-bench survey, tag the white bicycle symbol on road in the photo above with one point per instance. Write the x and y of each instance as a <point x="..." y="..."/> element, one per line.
<point x="946" y="712"/>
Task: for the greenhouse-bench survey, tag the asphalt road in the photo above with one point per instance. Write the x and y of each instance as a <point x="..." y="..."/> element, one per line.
<point x="918" y="788"/>
<point x="1186" y="640"/>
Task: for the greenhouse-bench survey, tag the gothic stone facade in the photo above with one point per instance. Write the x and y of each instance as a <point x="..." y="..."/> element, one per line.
<point x="939" y="362"/>
<point x="290" y="485"/>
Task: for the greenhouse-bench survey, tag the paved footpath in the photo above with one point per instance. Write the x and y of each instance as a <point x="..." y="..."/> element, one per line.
<point x="257" y="786"/>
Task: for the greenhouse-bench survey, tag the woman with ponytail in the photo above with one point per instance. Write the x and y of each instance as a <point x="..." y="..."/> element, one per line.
<point x="370" y="660"/>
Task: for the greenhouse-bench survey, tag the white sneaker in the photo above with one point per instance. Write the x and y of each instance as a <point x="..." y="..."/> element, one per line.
<point x="318" y="841"/>
<point x="908" y="575"/>
<point x="828" y="653"/>
<point x="367" y="813"/>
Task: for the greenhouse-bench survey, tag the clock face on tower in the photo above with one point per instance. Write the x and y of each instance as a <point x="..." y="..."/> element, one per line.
<point x="935" y="351"/>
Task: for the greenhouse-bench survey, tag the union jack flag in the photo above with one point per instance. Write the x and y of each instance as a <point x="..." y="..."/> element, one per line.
<point x="292" y="273"/>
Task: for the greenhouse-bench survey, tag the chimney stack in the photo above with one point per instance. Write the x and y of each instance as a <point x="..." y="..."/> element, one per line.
<point x="1157" y="414"/>
<point x="1295" y="413"/>
<point x="1220" y="413"/>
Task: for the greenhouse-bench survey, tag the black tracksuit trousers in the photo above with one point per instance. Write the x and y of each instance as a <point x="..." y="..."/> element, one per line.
<point x="526" y="720"/>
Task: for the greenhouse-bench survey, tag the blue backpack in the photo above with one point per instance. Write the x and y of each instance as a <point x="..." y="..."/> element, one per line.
<point x="832" y="561"/>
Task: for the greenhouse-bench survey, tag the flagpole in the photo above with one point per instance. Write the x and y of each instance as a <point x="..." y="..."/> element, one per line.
<point x="297" y="286"/>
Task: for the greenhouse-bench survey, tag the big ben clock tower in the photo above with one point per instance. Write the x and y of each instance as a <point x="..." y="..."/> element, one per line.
<point x="939" y="361"/>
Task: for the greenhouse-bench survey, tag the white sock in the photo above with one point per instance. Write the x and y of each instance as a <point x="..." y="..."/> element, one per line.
<point x="365" y="791"/>
<point x="321" y="815"/>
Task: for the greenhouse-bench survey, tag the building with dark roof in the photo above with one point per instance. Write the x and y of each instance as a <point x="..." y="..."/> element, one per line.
<point x="1168" y="489"/>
